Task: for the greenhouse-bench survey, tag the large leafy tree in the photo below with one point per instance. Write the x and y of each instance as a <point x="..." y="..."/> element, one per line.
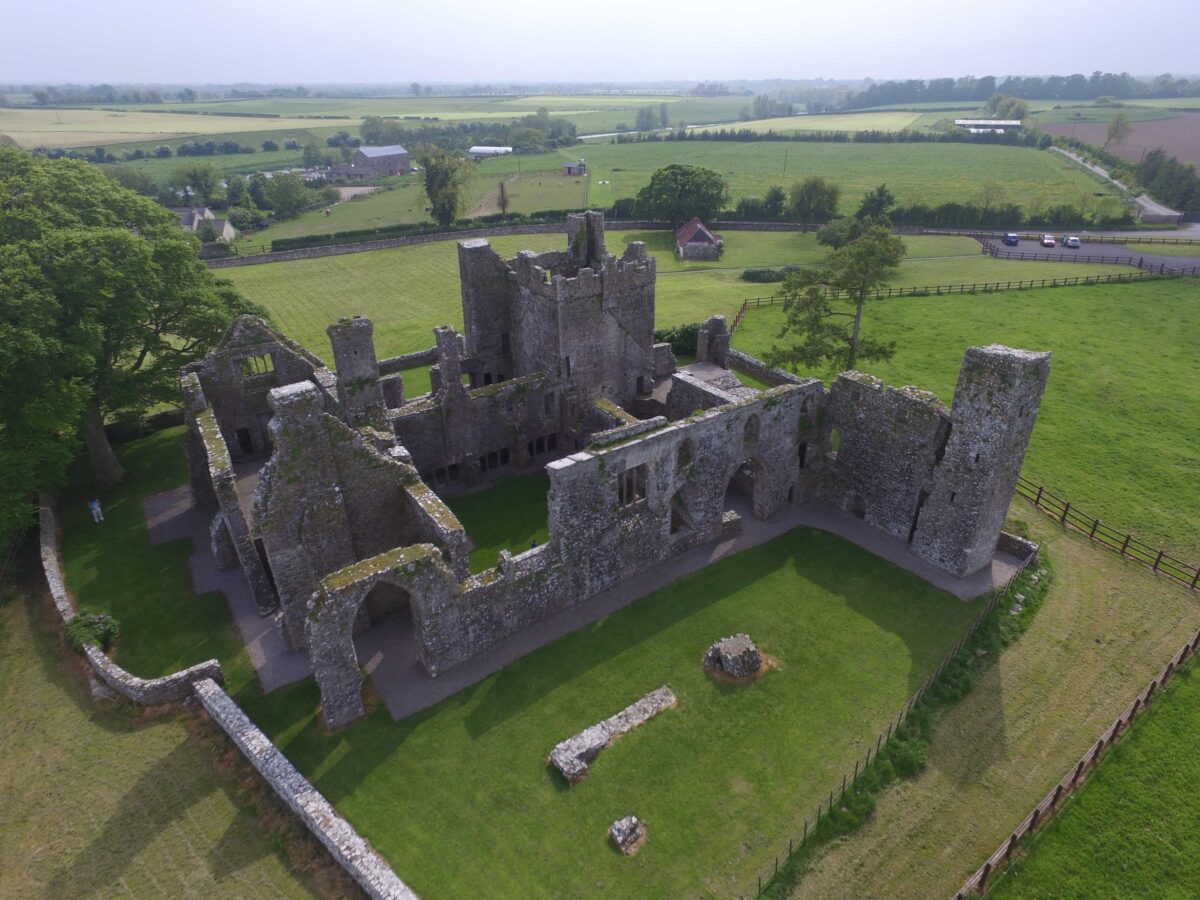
<point x="814" y="199"/>
<point x="823" y="308"/>
<point x="677" y="192"/>
<point x="444" y="177"/>
<point x="102" y="299"/>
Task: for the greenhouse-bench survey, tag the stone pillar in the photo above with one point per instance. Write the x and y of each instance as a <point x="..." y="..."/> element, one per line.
<point x="585" y="239"/>
<point x="358" y="386"/>
<point x="712" y="343"/>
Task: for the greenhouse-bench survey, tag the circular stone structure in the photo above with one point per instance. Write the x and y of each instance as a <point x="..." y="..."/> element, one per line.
<point x="628" y="834"/>
<point x="735" y="656"/>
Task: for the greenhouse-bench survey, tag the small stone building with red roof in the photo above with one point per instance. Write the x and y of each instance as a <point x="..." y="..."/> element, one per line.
<point x="694" y="241"/>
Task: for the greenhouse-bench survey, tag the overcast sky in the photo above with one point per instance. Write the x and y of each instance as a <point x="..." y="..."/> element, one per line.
<point x="178" y="41"/>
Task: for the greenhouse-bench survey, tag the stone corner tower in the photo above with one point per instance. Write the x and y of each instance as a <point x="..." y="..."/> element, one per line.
<point x="995" y="406"/>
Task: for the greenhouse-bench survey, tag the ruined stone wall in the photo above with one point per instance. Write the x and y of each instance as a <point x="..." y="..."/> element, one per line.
<point x="395" y="364"/>
<point x="756" y="368"/>
<point x="995" y="407"/>
<point x="214" y="489"/>
<point x="358" y="387"/>
<point x="459" y="426"/>
<point x="880" y="446"/>
<point x="237" y="377"/>
<point x="689" y="394"/>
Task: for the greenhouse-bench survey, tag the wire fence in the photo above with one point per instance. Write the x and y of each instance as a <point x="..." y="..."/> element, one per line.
<point x="977" y="287"/>
<point x="810" y="831"/>
<point x="1120" y="542"/>
<point x="1074" y="778"/>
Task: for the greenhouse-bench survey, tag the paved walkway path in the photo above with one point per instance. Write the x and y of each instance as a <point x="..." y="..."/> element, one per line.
<point x="388" y="651"/>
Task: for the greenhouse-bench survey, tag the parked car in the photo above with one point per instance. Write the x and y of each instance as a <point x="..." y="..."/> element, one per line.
<point x="1047" y="240"/>
<point x="1071" y="241"/>
<point x="1010" y="239"/>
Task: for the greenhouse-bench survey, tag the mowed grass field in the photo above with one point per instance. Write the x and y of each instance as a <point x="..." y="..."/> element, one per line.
<point x="1133" y="830"/>
<point x="719" y="779"/>
<point x="111" y="802"/>
<point x="867" y="121"/>
<point x="1105" y="627"/>
<point x="1116" y="432"/>
<point x="407" y="291"/>
<point x="915" y="173"/>
<point x="853" y="637"/>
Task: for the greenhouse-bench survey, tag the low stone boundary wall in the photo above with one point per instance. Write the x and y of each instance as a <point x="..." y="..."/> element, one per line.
<point x="394" y="364"/>
<point x="339" y="837"/>
<point x="625" y="432"/>
<point x="147" y="692"/>
<point x="204" y="681"/>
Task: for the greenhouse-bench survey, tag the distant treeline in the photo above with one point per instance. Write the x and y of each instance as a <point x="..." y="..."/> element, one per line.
<point x="528" y="134"/>
<point x="1054" y="87"/>
<point x="1027" y="138"/>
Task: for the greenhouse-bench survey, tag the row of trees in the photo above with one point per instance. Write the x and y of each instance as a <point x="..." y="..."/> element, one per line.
<point x="164" y="151"/>
<point x="1173" y="182"/>
<point x="534" y="133"/>
<point x="104" y="300"/>
<point x="1121" y="86"/>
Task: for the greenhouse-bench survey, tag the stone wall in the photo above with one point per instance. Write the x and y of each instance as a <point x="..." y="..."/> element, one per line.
<point x="144" y="691"/>
<point x="416" y="360"/>
<point x="756" y="368"/>
<point x="370" y="870"/>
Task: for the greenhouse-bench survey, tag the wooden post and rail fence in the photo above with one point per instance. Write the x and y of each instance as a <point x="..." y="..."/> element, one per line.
<point x="979" y="287"/>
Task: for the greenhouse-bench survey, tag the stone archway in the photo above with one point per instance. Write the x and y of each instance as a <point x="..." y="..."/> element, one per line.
<point x="418" y="571"/>
<point x="749" y="478"/>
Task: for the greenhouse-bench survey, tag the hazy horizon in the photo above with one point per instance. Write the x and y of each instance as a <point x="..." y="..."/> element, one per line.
<point x="374" y="41"/>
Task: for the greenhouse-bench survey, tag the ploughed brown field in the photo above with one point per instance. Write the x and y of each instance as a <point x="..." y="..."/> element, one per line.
<point x="1179" y="136"/>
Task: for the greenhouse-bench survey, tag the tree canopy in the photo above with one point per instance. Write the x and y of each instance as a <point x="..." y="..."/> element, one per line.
<point x="823" y="308"/>
<point x="814" y="199"/>
<point x="444" y="177"/>
<point x="677" y="193"/>
<point x="104" y="299"/>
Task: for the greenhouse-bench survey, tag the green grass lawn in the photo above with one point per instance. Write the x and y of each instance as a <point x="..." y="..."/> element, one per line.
<point x="1133" y="830"/>
<point x="111" y="567"/>
<point x="507" y="516"/>
<point x="407" y="291"/>
<point x="429" y="791"/>
<point x="719" y="780"/>
<point x="1167" y="249"/>
<point x="925" y="173"/>
<point x="866" y="121"/>
<point x="1116" y="433"/>
<point x="532" y="193"/>
<point x="110" y="802"/>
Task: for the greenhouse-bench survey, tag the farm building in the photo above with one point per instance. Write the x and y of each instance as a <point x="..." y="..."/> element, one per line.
<point x="374" y="162"/>
<point x="986" y="126"/>
<point x="483" y="152"/>
<point x="574" y="168"/>
<point x="695" y="241"/>
<point x="192" y="218"/>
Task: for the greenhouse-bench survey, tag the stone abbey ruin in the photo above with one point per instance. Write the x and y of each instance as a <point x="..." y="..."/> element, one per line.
<point x="557" y="369"/>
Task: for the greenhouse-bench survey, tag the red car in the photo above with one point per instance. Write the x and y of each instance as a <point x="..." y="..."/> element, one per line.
<point x="1047" y="240"/>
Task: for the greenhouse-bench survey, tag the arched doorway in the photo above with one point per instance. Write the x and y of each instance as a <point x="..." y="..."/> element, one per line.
<point x="383" y="603"/>
<point x="746" y="488"/>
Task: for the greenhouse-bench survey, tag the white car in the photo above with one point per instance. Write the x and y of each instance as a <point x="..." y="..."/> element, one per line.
<point x="1072" y="242"/>
<point x="1047" y="240"/>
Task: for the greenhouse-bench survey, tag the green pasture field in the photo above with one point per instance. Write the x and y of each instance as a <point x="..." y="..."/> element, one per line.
<point x="1132" y="831"/>
<point x="1168" y="102"/>
<point x="928" y="173"/>
<point x="868" y="121"/>
<point x="532" y="193"/>
<point x="510" y="515"/>
<point x="852" y="634"/>
<point x="407" y="291"/>
<point x="853" y="637"/>
<point x="1167" y="249"/>
<point x="924" y="173"/>
<point x="1116" y="432"/>
<point x="106" y="802"/>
